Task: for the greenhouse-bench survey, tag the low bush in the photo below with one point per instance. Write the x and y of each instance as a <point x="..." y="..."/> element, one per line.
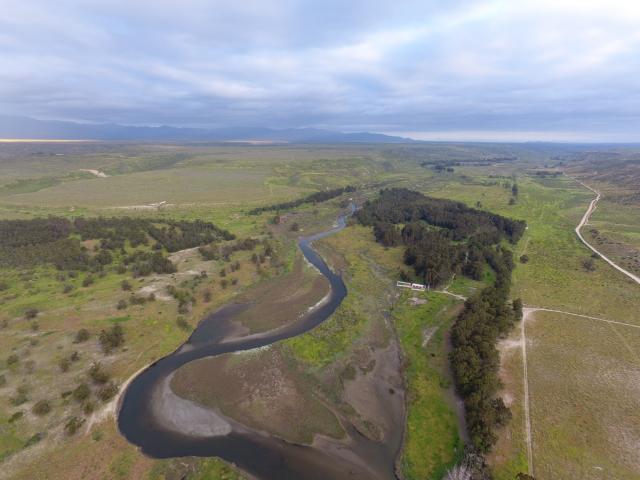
<point x="98" y="374"/>
<point x="112" y="338"/>
<point x="73" y="425"/>
<point x="41" y="408"/>
<point x="81" y="392"/>
<point x="82" y="335"/>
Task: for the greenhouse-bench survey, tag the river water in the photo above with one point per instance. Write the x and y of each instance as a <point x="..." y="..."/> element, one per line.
<point x="258" y="453"/>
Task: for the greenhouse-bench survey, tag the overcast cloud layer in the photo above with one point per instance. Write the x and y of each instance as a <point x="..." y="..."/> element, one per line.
<point x="511" y="70"/>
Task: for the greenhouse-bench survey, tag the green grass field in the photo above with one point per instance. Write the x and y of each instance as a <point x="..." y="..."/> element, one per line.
<point x="432" y="440"/>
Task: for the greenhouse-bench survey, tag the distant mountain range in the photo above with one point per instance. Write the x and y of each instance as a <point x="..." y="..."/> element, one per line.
<point x="29" y="128"/>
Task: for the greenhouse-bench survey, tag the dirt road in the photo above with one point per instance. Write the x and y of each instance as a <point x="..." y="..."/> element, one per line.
<point x="585" y="220"/>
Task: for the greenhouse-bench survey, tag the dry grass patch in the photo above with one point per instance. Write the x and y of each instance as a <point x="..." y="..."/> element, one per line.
<point x="585" y="396"/>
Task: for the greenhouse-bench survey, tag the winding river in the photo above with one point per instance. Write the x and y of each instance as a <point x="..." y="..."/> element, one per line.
<point x="258" y="453"/>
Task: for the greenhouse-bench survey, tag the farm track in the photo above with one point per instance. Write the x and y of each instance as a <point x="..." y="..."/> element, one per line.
<point x="585" y="220"/>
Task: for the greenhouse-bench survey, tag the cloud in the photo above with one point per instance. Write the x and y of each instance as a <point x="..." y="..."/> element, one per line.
<point x="562" y="68"/>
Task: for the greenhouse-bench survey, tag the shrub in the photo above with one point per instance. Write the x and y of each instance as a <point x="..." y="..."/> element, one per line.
<point x="88" y="281"/>
<point x="206" y="295"/>
<point x="137" y="300"/>
<point x="98" y="374"/>
<point x="64" y="364"/>
<point x="75" y="356"/>
<point x="31" y="313"/>
<point x="12" y="359"/>
<point x="3" y="381"/>
<point x="16" y="416"/>
<point x="183" y="324"/>
<point x="81" y="392"/>
<point x="89" y="408"/>
<point x="30" y="366"/>
<point x="4" y="286"/>
<point x="524" y="258"/>
<point x="234" y="281"/>
<point x="107" y="392"/>
<point x="295" y="227"/>
<point x="67" y="288"/>
<point x="224" y="283"/>
<point x="125" y="285"/>
<point x="21" y="395"/>
<point x="589" y="265"/>
<point x="41" y="408"/>
<point x="82" y="335"/>
<point x="34" y="439"/>
<point x="122" y="304"/>
<point x="35" y="326"/>
<point x="112" y="338"/>
<point x="223" y="273"/>
<point x="73" y="425"/>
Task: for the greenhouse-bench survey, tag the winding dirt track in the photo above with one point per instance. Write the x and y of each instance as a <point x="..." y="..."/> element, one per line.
<point x="585" y="220"/>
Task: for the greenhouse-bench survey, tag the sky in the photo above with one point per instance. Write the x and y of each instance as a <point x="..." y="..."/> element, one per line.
<point x="516" y="70"/>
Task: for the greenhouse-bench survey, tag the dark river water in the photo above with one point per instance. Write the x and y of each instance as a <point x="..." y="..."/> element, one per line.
<point x="260" y="454"/>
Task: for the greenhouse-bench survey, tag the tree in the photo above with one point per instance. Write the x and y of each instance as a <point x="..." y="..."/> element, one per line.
<point x="514" y="190"/>
<point x="517" y="308"/>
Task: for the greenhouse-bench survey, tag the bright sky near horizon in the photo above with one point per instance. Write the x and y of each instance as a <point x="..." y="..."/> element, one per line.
<point x="451" y="70"/>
